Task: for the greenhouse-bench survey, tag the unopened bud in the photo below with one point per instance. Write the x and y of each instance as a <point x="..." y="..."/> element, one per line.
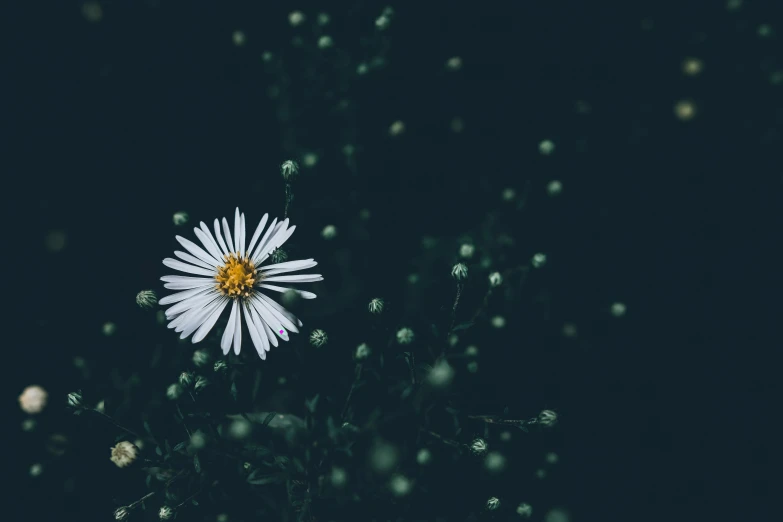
<point x="289" y="169"/>
<point x="459" y="271"/>
<point x="318" y="338"/>
<point x="146" y="299"/>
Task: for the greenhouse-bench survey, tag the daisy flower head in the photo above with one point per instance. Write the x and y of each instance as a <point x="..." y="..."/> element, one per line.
<point x="226" y="270"/>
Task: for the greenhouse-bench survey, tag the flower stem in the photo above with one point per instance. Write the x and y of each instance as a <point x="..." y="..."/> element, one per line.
<point x="123" y="428"/>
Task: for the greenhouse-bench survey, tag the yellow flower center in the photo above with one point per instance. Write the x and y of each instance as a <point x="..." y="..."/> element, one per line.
<point x="237" y="277"/>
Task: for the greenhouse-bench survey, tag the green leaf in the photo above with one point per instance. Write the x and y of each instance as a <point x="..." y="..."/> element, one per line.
<point x="463" y="326"/>
<point x="234" y="390"/>
<point x="269" y="418"/>
<point x="196" y="464"/>
<point x="311" y="403"/>
<point x="158" y="451"/>
<point x="147" y="427"/>
<point x="195" y="502"/>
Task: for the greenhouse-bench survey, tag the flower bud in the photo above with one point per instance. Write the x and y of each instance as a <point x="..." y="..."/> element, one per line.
<point x="200" y="358"/>
<point x="495" y="462"/>
<point x="220" y="366"/>
<point x="186" y="379"/>
<point x="279" y="256"/>
<point x="146" y="299"/>
<point x="174" y="391"/>
<point x="493" y="503"/>
<point x="618" y="309"/>
<point x="547" y="418"/>
<point x="400" y="485"/>
<point x="524" y="510"/>
<point x="329" y="232"/>
<point x="362" y="352"/>
<point x="289" y="169"/>
<point x="495" y="279"/>
<point x="459" y="271"/>
<point x="375" y="306"/>
<point x="318" y="338"/>
<point x="75" y="399"/>
<point x="424" y="456"/>
<point x="121" y="513"/>
<point x="180" y="218"/>
<point x="546" y="147"/>
<point x="124" y="454"/>
<point x="538" y="260"/>
<point x="296" y="18"/>
<point x="405" y="336"/>
<point x="478" y="446"/>
<point x="201" y="383"/>
<point x="33" y="399"/>
<point x="165" y="513"/>
<point x="467" y="250"/>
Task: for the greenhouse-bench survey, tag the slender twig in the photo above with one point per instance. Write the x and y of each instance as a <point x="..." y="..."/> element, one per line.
<point x="142" y="499"/>
<point x="350" y="392"/>
<point x="443" y="439"/>
<point x="123" y="428"/>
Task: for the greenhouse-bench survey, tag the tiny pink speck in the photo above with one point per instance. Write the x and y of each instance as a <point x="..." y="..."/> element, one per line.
<point x="281" y="331"/>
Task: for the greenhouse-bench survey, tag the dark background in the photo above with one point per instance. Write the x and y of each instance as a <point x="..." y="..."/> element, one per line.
<point x="116" y="125"/>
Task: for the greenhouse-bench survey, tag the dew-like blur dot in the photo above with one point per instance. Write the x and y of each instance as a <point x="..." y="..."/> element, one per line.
<point x="685" y="110"/>
<point x="457" y="125"/>
<point x="92" y="11"/>
<point x="554" y="187"/>
<point x="108" y="328"/>
<point x="239" y="38"/>
<point x="692" y="66"/>
<point x="396" y="128"/>
<point x="546" y="147"/>
<point x="618" y="309"/>
<point x="569" y="330"/>
<point x="55" y="241"/>
<point x="557" y="515"/>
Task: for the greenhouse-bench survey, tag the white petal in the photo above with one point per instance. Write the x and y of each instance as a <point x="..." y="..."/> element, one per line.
<point x="179" y="296"/>
<point x="264" y="330"/>
<point x="302" y="293"/>
<point x="192" y="260"/>
<point x="210" y="322"/>
<point x="237" y="333"/>
<point x="284" y="322"/>
<point x="289" y="266"/>
<point x="197" y="251"/>
<point x="205" y="236"/>
<point x="297" y="278"/>
<point x="242" y="234"/>
<point x="258" y="339"/>
<point x="270" y="319"/>
<point x="185" y="319"/>
<point x="227" y="233"/>
<point x="201" y="317"/>
<point x="184" y="267"/>
<point x="277" y="242"/>
<point x="273" y="240"/>
<point x="220" y="241"/>
<point x="257" y="233"/>
<point x="285" y="313"/>
<point x="228" y="333"/>
<point x="269" y="334"/>
<point x="237" y="231"/>
<point x="261" y="243"/>
<point x="194" y="302"/>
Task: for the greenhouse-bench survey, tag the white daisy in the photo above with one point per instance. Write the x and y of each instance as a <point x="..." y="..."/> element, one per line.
<point x="230" y="271"/>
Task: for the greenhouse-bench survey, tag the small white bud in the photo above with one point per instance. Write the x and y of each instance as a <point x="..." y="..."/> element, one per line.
<point x="424" y="456"/>
<point x="165" y="513"/>
<point x="499" y="321"/>
<point x="546" y="147"/>
<point x="405" y="336"/>
<point x="495" y="279"/>
<point x="467" y="250"/>
<point x="238" y="38"/>
<point x="495" y="462"/>
<point x="198" y="440"/>
<point x="35" y="470"/>
<point x="318" y="338"/>
<point x="375" y="306"/>
<point x="454" y="63"/>
<point x="508" y="194"/>
<point x="310" y="159"/>
<point x="201" y="383"/>
<point x="362" y="352"/>
<point x="220" y="366"/>
<point x="524" y="510"/>
<point x="551" y="457"/>
<point x="109" y="328"/>
<point x="547" y="418"/>
<point x="289" y="169"/>
<point x="201" y="358"/>
<point x="146" y="299"/>
<point x="493" y="503"/>
<point x="296" y="18"/>
<point x="240" y="429"/>
<point x="325" y="42"/>
<point x="396" y="128"/>
<point x="338" y="477"/>
<point x="618" y="309"/>
<point x="174" y="392"/>
<point x="554" y="188"/>
<point x="472" y="351"/>
<point x="538" y="260"/>
<point x="33" y="399"/>
<point x="180" y="218"/>
<point x="362" y="69"/>
<point x="279" y="256"/>
<point x="329" y="232"/>
<point x="459" y="271"/>
<point x="121" y="513"/>
<point x="400" y="485"/>
<point x="478" y="446"/>
<point x="124" y="454"/>
<point x="441" y="374"/>
<point x="685" y="110"/>
<point x="382" y="22"/>
<point x="267" y="56"/>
